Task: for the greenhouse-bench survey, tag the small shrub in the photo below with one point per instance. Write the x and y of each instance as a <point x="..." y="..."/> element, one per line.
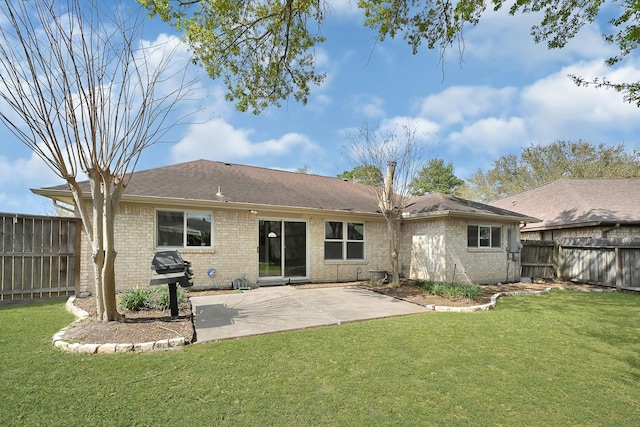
<point x="453" y="290"/>
<point x="159" y="298"/>
<point x="156" y="298"/>
<point x="135" y="299"/>
<point x="471" y="292"/>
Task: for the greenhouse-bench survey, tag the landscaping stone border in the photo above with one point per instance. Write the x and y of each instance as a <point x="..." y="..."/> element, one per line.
<point x="490" y="305"/>
<point x="82" y="315"/>
<point x="494" y="299"/>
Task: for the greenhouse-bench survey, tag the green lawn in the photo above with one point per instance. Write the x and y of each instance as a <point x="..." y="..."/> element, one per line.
<point x="566" y="358"/>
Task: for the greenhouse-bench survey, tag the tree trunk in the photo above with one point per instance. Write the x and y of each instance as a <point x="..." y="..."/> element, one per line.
<point x="394" y="225"/>
<point x="111" y="199"/>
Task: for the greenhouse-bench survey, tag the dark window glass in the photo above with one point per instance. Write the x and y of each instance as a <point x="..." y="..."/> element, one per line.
<point x="355" y="250"/>
<point x="332" y="250"/>
<point x="171" y="232"/>
<point x="355" y="231"/>
<point x="333" y="230"/>
<point x="496" y="237"/>
<point x="198" y="229"/>
<point x="472" y="236"/>
<point x="170" y="228"/>
<point x="485" y="236"/>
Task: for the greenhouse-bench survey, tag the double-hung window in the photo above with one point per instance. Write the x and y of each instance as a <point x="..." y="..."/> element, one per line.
<point x="484" y="236"/>
<point x="183" y="229"/>
<point x="343" y="240"/>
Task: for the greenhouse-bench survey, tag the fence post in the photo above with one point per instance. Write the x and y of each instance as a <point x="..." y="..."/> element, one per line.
<point x="619" y="276"/>
<point x="556" y="259"/>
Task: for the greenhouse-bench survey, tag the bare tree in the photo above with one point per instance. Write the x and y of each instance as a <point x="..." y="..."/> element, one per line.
<point x="401" y="158"/>
<point x="86" y="96"/>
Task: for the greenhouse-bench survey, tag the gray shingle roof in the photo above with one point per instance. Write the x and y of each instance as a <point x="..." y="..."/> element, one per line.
<point x="578" y="202"/>
<point x="441" y="204"/>
<point x="206" y="180"/>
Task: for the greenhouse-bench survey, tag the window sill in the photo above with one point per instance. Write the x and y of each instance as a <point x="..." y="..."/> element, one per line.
<point x="345" y="261"/>
<point x="189" y="249"/>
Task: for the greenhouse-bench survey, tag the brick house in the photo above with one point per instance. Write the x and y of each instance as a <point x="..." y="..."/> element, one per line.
<point x="569" y="208"/>
<point x="275" y="227"/>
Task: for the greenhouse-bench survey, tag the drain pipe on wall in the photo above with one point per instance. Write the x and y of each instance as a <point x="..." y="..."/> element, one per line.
<point x="358" y="271"/>
<point x="454" y="272"/>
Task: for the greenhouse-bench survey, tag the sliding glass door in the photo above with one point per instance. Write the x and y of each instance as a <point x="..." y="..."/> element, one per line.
<point x="282" y="249"/>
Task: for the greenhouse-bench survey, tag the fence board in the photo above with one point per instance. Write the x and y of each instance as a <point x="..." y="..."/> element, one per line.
<point x="585" y="260"/>
<point x="536" y="259"/>
<point x="39" y="256"/>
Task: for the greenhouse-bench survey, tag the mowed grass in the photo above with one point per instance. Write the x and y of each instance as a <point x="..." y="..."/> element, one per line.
<point x="566" y="358"/>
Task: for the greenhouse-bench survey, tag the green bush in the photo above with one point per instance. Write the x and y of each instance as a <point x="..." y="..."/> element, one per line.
<point x="156" y="298"/>
<point x="159" y="297"/>
<point x="453" y="290"/>
<point x="135" y="299"/>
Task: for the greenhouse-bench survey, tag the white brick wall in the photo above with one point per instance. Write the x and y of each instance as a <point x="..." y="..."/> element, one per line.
<point x="234" y="252"/>
<point x="437" y="250"/>
<point x="430" y="249"/>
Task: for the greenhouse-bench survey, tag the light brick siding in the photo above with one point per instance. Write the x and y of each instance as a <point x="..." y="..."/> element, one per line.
<point x="234" y="252"/>
<point x="430" y="249"/>
<point x="437" y="250"/>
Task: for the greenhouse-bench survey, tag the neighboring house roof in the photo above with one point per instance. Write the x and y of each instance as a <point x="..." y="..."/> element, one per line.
<point x="569" y="203"/>
<point x="438" y="204"/>
<point x="205" y="181"/>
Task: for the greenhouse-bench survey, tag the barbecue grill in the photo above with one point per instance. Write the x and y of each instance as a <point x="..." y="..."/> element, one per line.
<point x="171" y="270"/>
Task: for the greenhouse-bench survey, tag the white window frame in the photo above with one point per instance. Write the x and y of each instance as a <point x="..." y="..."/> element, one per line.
<point x="478" y="240"/>
<point x="185" y="218"/>
<point x="345" y="241"/>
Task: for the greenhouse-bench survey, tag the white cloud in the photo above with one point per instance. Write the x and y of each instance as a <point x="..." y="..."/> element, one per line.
<point x="31" y="171"/>
<point x="219" y="140"/>
<point x="368" y="106"/>
<point x="501" y="36"/>
<point x="459" y="104"/>
<point x="557" y="108"/>
<point x="424" y="129"/>
<point x="489" y="135"/>
<point x="347" y="8"/>
<point x="17" y="176"/>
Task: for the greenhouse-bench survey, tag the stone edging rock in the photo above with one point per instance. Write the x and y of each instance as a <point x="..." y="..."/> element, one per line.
<point x="484" y="307"/>
<point x="494" y="299"/>
<point x="81" y="315"/>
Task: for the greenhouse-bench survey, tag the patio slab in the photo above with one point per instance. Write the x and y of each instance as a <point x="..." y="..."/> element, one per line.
<point x="284" y="308"/>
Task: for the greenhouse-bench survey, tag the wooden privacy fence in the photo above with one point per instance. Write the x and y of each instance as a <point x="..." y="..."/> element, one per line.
<point x="608" y="262"/>
<point x="39" y="256"/>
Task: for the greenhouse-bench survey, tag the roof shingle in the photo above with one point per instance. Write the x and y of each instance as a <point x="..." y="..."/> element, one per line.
<point x="578" y="202"/>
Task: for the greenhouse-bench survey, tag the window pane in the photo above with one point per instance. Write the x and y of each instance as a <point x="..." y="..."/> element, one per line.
<point x="198" y="229"/>
<point x="355" y="250"/>
<point x="355" y="231"/>
<point x="170" y="229"/>
<point x="496" y="237"/>
<point x="333" y="230"/>
<point x="472" y="236"/>
<point x="485" y="236"/>
<point x="332" y="250"/>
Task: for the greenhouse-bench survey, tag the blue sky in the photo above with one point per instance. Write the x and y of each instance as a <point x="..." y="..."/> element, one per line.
<point x="504" y="94"/>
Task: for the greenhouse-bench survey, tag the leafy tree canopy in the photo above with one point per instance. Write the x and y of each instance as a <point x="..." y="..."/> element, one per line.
<point x="538" y="165"/>
<point x="370" y="175"/>
<point x="435" y="177"/>
<point x="265" y="50"/>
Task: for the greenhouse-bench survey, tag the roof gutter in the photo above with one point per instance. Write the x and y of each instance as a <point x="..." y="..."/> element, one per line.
<point x="471" y="215"/>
